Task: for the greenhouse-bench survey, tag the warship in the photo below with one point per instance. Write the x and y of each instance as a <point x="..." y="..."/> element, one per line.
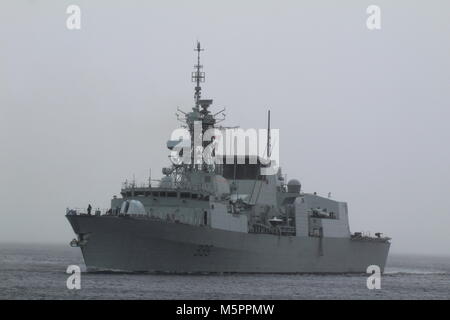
<point x="230" y="216"/>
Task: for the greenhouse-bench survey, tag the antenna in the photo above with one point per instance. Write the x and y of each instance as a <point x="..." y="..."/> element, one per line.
<point x="268" y="135"/>
<point x="198" y="76"/>
<point x="150" y="177"/>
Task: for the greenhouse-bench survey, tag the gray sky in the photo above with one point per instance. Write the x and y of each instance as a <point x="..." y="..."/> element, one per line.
<point x="362" y="114"/>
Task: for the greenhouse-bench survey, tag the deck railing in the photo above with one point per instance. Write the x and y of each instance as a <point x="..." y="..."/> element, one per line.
<point x="84" y="211"/>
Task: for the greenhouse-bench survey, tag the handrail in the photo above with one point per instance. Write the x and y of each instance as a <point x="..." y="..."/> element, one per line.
<point x="84" y="211"/>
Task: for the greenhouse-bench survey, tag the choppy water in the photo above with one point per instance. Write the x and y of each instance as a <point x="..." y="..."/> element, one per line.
<point x="38" y="272"/>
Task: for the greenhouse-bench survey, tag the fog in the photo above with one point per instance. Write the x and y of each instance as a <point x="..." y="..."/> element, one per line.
<point x="362" y="114"/>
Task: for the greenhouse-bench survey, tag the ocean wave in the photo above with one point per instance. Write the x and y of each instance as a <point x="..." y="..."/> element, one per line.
<point x="407" y="271"/>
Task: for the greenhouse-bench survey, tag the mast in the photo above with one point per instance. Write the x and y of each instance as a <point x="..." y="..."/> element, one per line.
<point x="268" y="135"/>
<point x="198" y="76"/>
<point x="200" y="115"/>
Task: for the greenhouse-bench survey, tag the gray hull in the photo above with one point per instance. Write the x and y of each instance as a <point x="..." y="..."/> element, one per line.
<point x="144" y="245"/>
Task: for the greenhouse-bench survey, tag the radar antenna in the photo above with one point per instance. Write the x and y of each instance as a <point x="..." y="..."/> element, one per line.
<point x="198" y="76"/>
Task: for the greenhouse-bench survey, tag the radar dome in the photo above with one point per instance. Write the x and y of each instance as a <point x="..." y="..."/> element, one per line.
<point x="294" y="186"/>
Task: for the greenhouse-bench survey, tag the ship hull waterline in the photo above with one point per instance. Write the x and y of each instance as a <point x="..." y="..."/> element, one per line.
<point x="127" y="244"/>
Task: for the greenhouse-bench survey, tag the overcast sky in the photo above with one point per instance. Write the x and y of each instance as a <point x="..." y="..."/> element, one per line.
<point x="362" y="114"/>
